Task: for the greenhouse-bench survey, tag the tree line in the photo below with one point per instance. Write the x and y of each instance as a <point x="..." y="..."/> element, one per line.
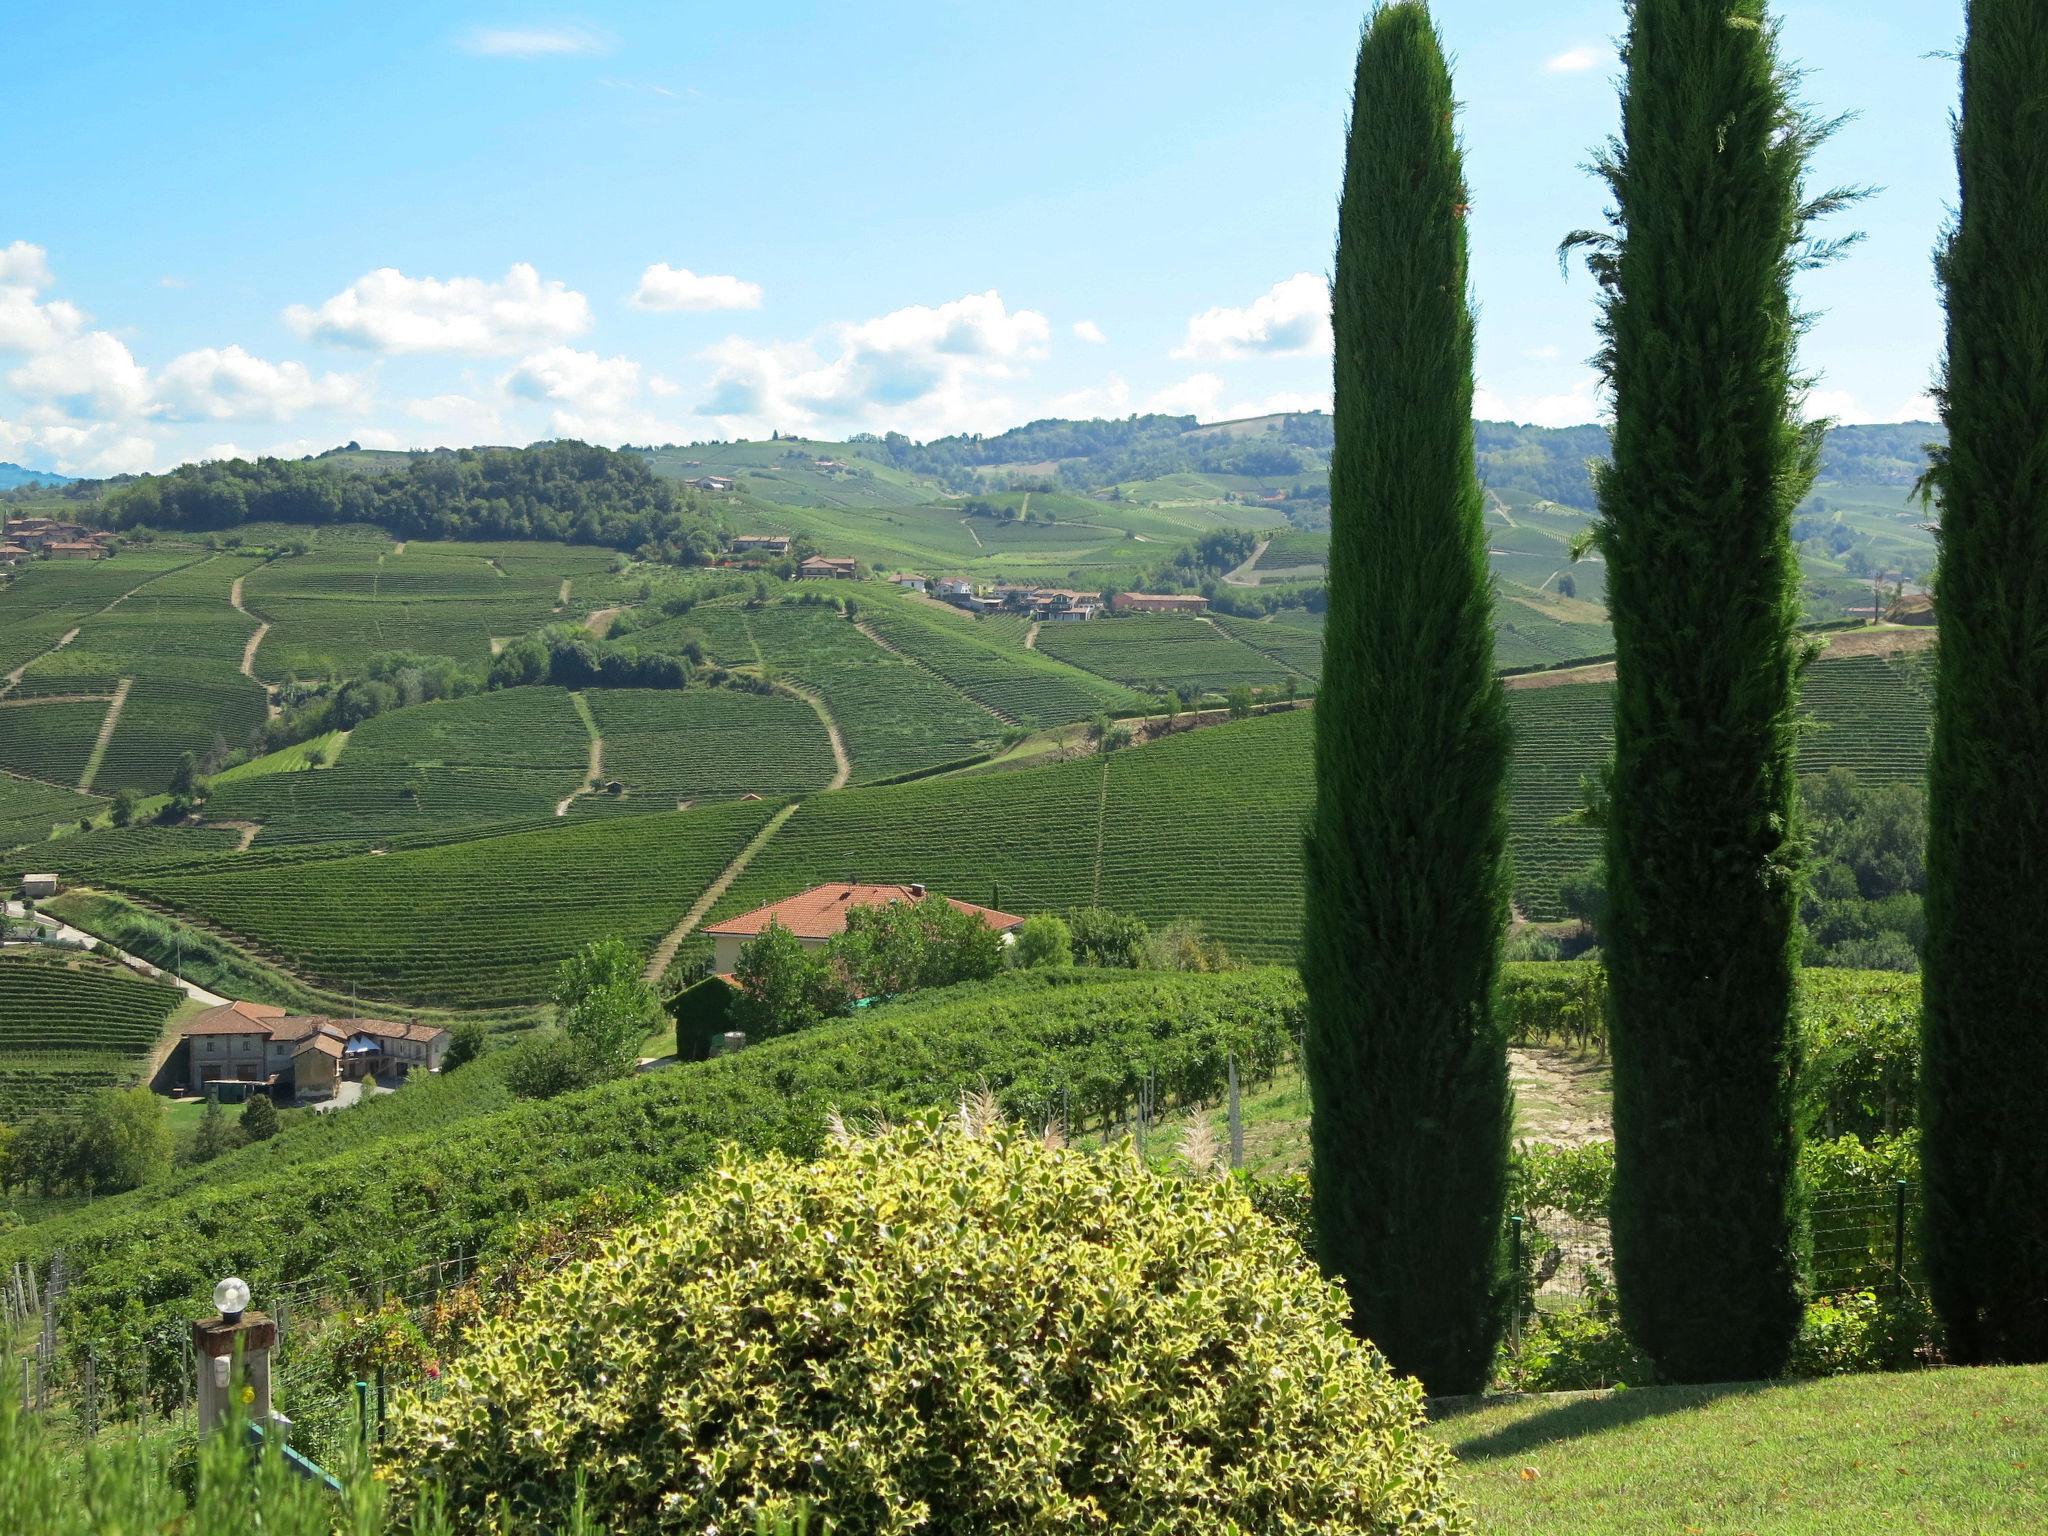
<point x="1708" y="849"/>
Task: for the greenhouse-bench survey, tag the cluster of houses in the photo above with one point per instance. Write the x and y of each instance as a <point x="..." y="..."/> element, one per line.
<point x="25" y="537"/>
<point x="241" y="1048"/>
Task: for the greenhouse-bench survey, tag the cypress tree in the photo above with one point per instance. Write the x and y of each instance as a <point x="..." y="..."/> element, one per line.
<point x="1407" y="888"/>
<point x="1710" y="458"/>
<point x="1985" y="1046"/>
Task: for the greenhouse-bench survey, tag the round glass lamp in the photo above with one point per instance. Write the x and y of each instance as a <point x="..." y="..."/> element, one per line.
<point x="232" y="1297"/>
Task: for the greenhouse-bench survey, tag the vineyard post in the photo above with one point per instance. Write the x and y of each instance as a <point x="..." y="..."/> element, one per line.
<point x="1236" y="1119"/>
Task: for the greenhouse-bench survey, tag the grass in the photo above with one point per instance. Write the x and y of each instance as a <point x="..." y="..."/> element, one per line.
<point x="1949" y="1452"/>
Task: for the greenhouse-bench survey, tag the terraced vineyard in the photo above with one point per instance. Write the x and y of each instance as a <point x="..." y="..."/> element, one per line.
<point x="1562" y="735"/>
<point x="1162" y="651"/>
<point x="95" y="857"/>
<point x="1870" y="714"/>
<point x="493" y="757"/>
<point x="69" y="1025"/>
<point x="51" y="597"/>
<point x="1294" y="550"/>
<point x="991" y="665"/>
<point x="49" y="741"/>
<point x="468" y="924"/>
<point x="1291" y="638"/>
<point x="896" y="716"/>
<point x="675" y="745"/>
<point x="29" y="809"/>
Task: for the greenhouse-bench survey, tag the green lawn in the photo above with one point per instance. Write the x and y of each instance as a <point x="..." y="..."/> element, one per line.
<point x="1936" y="1452"/>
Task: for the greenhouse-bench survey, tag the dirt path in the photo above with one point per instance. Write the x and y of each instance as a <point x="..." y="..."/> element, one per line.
<point x="844" y="770"/>
<point x="562" y="597"/>
<point x="141" y="967"/>
<point x="1840" y="644"/>
<point x="968" y="524"/>
<point x="595" y="771"/>
<point x="398" y="548"/>
<point x="1101" y="817"/>
<point x="665" y="952"/>
<point x="1242" y="577"/>
<point x="248" y="829"/>
<point x="1031" y="636"/>
<point x="270" y="704"/>
<point x="99" y="747"/>
<point x="57" y="698"/>
<point x="1561" y="1097"/>
<point x="600" y="621"/>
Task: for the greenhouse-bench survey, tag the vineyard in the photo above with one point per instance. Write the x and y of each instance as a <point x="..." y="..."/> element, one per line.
<point x="667" y="747"/>
<point x="1292" y="639"/>
<point x="1562" y="737"/>
<point x="70" y="1024"/>
<point x="29" y="809"/>
<point x="493" y="757"/>
<point x="51" y="598"/>
<point x="1870" y="713"/>
<point x="1157" y="651"/>
<point x="50" y="741"/>
<point x="466" y="924"/>
<point x="991" y="665"/>
<point x="92" y="857"/>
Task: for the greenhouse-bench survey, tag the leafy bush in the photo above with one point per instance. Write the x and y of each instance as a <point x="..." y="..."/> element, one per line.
<point x="1862" y="1052"/>
<point x="1561" y="1004"/>
<point x="951" y="1329"/>
<point x="1863" y="1331"/>
<point x="1043" y="941"/>
<point x="1102" y="937"/>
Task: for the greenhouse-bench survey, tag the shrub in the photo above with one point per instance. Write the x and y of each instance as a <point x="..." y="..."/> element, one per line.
<point x="938" y="1329"/>
<point x="1043" y="941"/>
<point x="1102" y="937"/>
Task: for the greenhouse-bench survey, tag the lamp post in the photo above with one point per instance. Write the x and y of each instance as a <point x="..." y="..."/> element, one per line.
<point x="235" y="1336"/>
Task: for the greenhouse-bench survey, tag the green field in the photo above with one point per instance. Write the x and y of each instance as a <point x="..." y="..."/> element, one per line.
<point x="1158" y="651"/>
<point x="1946" y="1452"/>
<point x="49" y="741"/>
<point x="49" y="598"/>
<point x="493" y="757"/>
<point x="671" y="747"/>
<point x="467" y="924"/>
<point x="30" y="809"/>
<point x="70" y="1024"/>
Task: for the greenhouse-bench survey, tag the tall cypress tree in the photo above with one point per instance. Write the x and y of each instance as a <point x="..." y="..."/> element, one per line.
<point x="1985" y="1057"/>
<point x="1710" y="458"/>
<point x="1407" y="889"/>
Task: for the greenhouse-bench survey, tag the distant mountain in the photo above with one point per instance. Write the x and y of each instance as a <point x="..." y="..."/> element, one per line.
<point x="13" y="475"/>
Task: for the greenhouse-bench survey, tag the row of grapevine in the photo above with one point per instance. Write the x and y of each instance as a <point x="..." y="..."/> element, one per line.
<point x="667" y="746"/>
<point x="69" y="1024"/>
<point x="1162" y="651"/>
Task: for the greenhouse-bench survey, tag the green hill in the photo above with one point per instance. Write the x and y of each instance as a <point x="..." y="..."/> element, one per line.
<point x="70" y="1024"/>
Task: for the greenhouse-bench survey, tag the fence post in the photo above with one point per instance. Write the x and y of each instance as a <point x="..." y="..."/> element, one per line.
<point x="1899" y="1236"/>
<point x="1236" y="1118"/>
<point x="91" y="1393"/>
<point x="362" y="1413"/>
<point x="1515" y="1289"/>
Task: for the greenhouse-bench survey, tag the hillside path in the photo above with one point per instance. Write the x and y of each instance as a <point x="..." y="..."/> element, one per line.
<point x="968" y="524"/>
<point x="665" y="952"/>
<point x="596" y="769"/>
<point x="844" y="769"/>
<point x="1840" y="644"/>
<point x="599" y="622"/>
<point x="106" y="736"/>
<point x="71" y="634"/>
<point x="249" y="650"/>
<point x="57" y="698"/>
<point x="1031" y="636"/>
<point x="1242" y="577"/>
<point x="141" y="967"/>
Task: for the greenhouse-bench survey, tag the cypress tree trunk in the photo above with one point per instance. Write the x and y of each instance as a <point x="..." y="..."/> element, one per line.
<point x="1985" y="1056"/>
<point x="1709" y="461"/>
<point x="1407" y="888"/>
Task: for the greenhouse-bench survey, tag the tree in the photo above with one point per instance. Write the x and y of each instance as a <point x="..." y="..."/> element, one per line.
<point x="120" y="1142"/>
<point x="125" y="803"/>
<point x="1105" y="938"/>
<point x="185" y="777"/>
<point x="1406" y="853"/>
<point x="1044" y="942"/>
<point x="1239" y="701"/>
<point x="1985" y="1030"/>
<point x="465" y="1044"/>
<point x="259" y="1118"/>
<point x="784" y="986"/>
<point x="214" y="1135"/>
<point x="1710" y="457"/>
<point x="605" y="1007"/>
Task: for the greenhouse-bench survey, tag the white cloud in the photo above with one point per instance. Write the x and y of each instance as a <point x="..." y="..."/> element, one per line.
<point x="1574" y="407"/>
<point x="463" y="418"/>
<point x="925" y="369"/>
<point x="227" y="384"/>
<point x="46" y="439"/>
<point x="534" y="42"/>
<point x="91" y="376"/>
<point x="1919" y="408"/>
<point x="1836" y="404"/>
<point x="1546" y="354"/>
<point x="596" y="398"/>
<point x="26" y="324"/>
<point x="386" y="311"/>
<point x="1291" y="319"/>
<point x="1111" y="398"/>
<point x="1089" y="332"/>
<point x="1203" y="396"/>
<point x="663" y="287"/>
<point x="1575" y="61"/>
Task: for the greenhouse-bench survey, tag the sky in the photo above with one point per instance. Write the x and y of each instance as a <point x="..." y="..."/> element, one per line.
<point x="261" y="228"/>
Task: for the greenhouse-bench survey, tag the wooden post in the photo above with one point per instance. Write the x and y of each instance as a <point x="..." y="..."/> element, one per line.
<point x="226" y="1350"/>
<point x="1236" y="1119"/>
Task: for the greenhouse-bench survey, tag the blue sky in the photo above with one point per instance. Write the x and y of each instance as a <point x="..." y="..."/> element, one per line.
<point x="271" y="228"/>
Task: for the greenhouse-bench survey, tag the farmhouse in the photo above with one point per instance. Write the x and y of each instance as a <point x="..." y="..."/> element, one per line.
<point x="761" y="544"/>
<point x="74" y="549"/>
<point x="36" y="887"/>
<point x="256" y="1045"/>
<point x="820" y="913"/>
<point x="909" y="581"/>
<point x="12" y="554"/>
<point x="827" y="568"/>
<point x="712" y="483"/>
<point x="1157" y="602"/>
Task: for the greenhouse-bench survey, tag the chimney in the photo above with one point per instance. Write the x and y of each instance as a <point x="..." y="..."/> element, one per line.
<point x="917" y="892"/>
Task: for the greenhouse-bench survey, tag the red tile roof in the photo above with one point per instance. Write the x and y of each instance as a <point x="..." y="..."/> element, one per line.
<point x="236" y="1019"/>
<point x="820" y="913"/>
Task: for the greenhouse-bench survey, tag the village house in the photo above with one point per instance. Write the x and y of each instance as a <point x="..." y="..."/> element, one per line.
<point x="819" y="915"/>
<point x="1063" y="605"/>
<point x="255" y="1045"/>
<point x="718" y="483"/>
<point x="1157" y="602"/>
<point x="909" y="581"/>
<point x="12" y="554"/>
<point x="776" y="544"/>
<point x="955" y="586"/>
<point x="827" y="568"/>
<point x="75" y="549"/>
<point x="38" y="887"/>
